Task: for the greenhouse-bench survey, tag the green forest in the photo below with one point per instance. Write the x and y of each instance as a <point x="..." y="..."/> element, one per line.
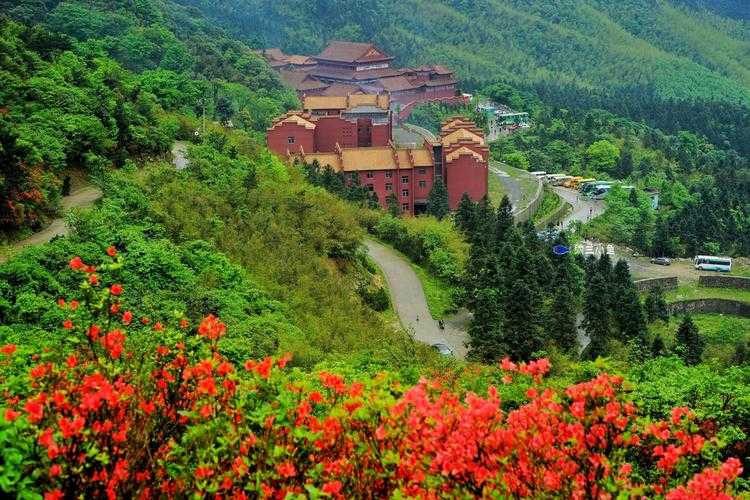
<point x="221" y="331"/>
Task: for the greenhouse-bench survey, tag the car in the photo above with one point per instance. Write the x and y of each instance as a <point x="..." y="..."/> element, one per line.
<point x="661" y="261"/>
<point x="443" y="349"/>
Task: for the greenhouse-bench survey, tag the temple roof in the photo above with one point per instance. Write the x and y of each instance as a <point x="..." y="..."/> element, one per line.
<point x="351" y="52"/>
<point x="296" y="118"/>
<point x="462" y="134"/>
<point x="348" y="102"/>
<point x="462" y="152"/>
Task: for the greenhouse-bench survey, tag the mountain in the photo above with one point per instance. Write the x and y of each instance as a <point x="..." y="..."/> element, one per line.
<point x="679" y="49"/>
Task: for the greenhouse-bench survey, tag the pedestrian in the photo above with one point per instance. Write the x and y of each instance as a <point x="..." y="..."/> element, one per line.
<point x="417" y="318"/>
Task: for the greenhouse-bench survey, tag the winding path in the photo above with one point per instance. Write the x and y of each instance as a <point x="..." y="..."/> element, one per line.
<point x="410" y="303"/>
<point x="81" y="198"/>
<point x="583" y="209"/>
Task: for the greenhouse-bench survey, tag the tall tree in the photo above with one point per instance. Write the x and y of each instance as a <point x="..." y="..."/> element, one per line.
<point x="504" y="219"/>
<point x="393" y="207"/>
<point x="521" y="322"/>
<point x="437" y="201"/>
<point x="690" y="344"/>
<point x="596" y="317"/>
<point x="656" y="306"/>
<point x="627" y="311"/>
<point x="466" y="215"/>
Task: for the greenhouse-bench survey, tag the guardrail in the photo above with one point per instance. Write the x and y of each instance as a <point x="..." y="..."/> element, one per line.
<point x="529" y="210"/>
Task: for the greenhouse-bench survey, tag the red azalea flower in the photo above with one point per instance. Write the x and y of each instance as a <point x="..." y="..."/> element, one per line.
<point x="8" y="349"/>
<point x="93" y="279"/>
<point x="127" y="317"/>
<point x="111" y="251"/>
<point x="76" y="263"/>
<point x="115" y="289"/>
<point x="11" y="415"/>
<point x="68" y="324"/>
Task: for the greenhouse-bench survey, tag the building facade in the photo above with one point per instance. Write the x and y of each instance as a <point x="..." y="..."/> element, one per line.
<point x="345" y="68"/>
<point x="354" y="136"/>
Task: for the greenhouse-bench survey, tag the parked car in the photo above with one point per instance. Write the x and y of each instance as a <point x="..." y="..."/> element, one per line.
<point x="443" y="349"/>
<point x="661" y="261"/>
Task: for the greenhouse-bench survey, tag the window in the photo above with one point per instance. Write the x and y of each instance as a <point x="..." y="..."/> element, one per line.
<point x="404" y="193"/>
<point x="422" y="184"/>
<point x="354" y="176"/>
<point x="370" y="174"/>
<point x="422" y="171"/>
<point x="404" y="179"/>
<point x="290" y="140"/>
<point x="388" y="186"/>
<point x="405" y="207"/>
<point x="388" y="175"/>
<point x="370" y="187"/>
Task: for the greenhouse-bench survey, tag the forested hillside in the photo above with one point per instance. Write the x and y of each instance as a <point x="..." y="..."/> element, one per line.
<point x="665" y="48"/>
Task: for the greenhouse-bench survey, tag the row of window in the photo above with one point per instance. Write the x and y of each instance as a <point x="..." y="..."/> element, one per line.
<point x="388" y="174"/>
<point x="389" y="187"/>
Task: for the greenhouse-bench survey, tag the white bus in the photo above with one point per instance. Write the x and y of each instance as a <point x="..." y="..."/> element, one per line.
<point x="711" y="263"/>
<point x="538" y="173"/>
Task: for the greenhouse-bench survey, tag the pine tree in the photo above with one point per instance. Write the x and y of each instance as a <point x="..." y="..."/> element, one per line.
<point x="485" y="339"/>
<point x="741" y="355"/>
<point x="521" y="325"/>
<point x="437" y="201"/>
<point x="596" y="317"/>
<point x="633" y="198"/>
<point x="562" y="321"/>
<point x="393" y="207"/>
<point x="656" y="306"/>
<point x="627" y="311"/>
<point x="504" y="219"/>
<point x="690" y="344"/>
<point x="466" y="215"/>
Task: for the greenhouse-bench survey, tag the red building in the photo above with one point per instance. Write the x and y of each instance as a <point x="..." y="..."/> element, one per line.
<point x="344" y="68"/>
<point x="353" y="136"/>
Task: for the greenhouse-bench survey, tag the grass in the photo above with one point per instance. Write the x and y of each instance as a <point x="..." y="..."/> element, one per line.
<point x="693" y="291"/>
<point x="439" y="294"/>
<point x="721" y="333"/>
<point x="550" y="202"/>
<point x="496" y="189"/>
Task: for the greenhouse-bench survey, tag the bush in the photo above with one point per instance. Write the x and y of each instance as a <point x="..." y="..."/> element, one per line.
<point x="93" y="418"/>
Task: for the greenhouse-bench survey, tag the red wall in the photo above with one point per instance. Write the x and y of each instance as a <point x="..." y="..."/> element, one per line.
<point x="465" y="175"/>
<point x="379" y="181"/>
<point x="330" y="130"/>
<point x="427" y="177"/>
<point x="381" y="134"/>
<point x="278" y="139"/>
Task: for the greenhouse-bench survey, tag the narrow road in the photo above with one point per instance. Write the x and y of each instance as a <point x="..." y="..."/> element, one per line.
<point x="81" y="198"/>
<point x="583" y="209"/>
<point x="511" y="185"/>
<point x="410" y="304"/>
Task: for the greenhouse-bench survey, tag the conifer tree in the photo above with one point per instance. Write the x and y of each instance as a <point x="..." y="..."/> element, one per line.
<point x="741" y="355"/>
<point x="485" y="339"/>
<point x="504" y="219"/>
<point x="466" y="214"/>
<point x="596" y="317"/>
<point x="690" y="344"/>
<point x="627" y="311"/>
<point x="656" y="306"/>
<point x="521" y="325"/>
<point x="393" y="207"/>
<point x="562" y="322"/>
<point x="437" y="201"/>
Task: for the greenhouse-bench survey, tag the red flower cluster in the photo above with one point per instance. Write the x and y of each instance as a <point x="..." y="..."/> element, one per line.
<point x="192" y="424"/>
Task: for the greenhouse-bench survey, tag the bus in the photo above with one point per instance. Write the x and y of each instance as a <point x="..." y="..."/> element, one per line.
<point x="538" y="173"/>
<point x="711" y="263"/>
<point x="590" y="187"/>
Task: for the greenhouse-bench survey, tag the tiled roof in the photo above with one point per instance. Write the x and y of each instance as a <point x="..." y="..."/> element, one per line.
<point x="422" y="158"/>
<point x="274" y="53"/>
<point x="461" y="152"/>
<point x="325" y="159"/>
<point x="300" y="80"/>
<point x="374" y="158"/>
<point x="295" y="118"/>
<point x="460" y="135"/>
<point x="380" y="101"/>
<point x="351" y="52"/>
<point x="395" y="84"/>
<point x="342" y="89"/>
<point x="300" y="60"/>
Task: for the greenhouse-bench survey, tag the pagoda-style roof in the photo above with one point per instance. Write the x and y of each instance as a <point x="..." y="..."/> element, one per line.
<point x="352" y="52"/>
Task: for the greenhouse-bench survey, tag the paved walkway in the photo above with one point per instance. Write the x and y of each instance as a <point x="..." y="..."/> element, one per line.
<point x="81" y="198"/>
<point x="583" y="209"/>
<point x="410" y="303"/>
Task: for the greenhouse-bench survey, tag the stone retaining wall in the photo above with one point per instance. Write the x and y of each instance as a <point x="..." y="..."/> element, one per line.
<point x="529" y="210"/>
<point x="715" y="306"/>
<point x="557" y="214"/>
<point x="719" y="281"/>
<point x="647" y="284"/>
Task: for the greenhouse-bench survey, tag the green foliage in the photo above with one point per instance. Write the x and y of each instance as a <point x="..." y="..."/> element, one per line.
<point x="690" y="345"/>
<point x="437" y="201"/>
